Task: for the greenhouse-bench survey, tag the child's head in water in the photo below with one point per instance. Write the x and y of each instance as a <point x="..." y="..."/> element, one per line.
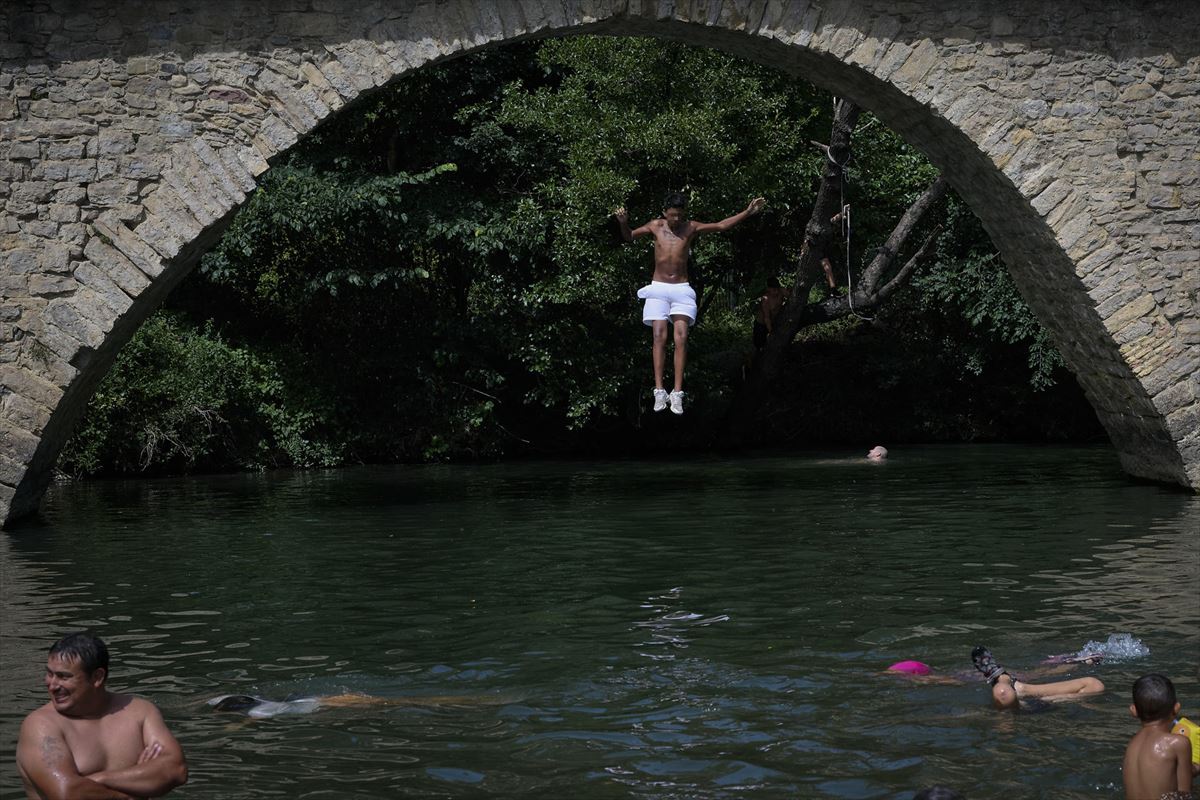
<point x="877" y="453"/>
<point x="1154" y="698"/>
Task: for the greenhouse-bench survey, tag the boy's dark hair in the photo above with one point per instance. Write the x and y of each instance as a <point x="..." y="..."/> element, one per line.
<point x="675" y="200"/>
<point x="938" y="793"/>
<point x="773" y="282"/>
<point x="88" y="649"/>
<point x="1154" y="697"/>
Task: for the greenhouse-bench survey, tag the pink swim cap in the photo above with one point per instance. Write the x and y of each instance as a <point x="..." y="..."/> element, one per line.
<point x="911" y="667"/>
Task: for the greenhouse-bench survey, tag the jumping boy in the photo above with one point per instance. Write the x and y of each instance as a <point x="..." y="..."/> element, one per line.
<point x="668" y="296"/>
<point x="1158" y="763"/>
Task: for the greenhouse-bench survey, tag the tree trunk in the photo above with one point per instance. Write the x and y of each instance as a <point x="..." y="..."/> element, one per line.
<point x="768" y="362"/>
<point x="872" y="288"/>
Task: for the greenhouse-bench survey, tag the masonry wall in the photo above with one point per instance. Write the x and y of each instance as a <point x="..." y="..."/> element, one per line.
<point x="131" y="133"/>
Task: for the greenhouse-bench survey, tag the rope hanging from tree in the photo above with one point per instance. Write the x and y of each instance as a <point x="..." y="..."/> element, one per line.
<point x="844" y="215"/>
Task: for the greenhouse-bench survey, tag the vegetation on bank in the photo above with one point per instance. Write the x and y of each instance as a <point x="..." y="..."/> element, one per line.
<point x="433" y="275"/>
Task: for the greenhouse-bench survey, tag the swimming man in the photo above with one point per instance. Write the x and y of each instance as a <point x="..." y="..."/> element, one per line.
<point x="260" y="708"/>
<point x="668" y="296"/>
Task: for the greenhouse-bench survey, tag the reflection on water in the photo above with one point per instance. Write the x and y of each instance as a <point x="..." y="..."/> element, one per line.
<point x="701" y="629"/>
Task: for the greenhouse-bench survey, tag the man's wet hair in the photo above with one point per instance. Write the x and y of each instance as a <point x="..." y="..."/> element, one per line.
<point x="235" y="702"/>
<point x="675" y="200"/>
<point x="1154" y="697"/>
<point x="85" y="647"/>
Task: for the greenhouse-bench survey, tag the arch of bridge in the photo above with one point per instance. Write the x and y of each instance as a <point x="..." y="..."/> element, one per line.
<point x="130" y="136"/>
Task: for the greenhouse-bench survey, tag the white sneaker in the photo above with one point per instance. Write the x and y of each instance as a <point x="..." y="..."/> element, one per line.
<point x="676" y="399"/>
<point x="660" y="399"/>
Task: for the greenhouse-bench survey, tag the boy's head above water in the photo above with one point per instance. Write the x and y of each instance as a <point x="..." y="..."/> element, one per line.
<point x="1154" y="698"/>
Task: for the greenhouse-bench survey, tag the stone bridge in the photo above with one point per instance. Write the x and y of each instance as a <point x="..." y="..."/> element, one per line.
<point x="130" y="133"/>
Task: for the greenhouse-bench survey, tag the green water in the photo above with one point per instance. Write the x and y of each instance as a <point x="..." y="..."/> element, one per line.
<point x="684" y="629"/>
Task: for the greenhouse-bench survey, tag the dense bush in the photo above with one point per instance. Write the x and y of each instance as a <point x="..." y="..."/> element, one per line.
<point x="180" y="397"/>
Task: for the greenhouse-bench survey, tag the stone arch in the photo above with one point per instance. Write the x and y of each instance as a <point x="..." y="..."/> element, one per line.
<point x="128" y="141"/>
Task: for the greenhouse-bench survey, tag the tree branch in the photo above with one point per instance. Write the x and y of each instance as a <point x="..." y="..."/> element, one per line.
<point x="879" y="265"/>
<point x="902" y="276"/>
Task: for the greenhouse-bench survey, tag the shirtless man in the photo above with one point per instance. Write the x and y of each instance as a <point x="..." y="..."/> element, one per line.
<point x="88" y="743"/>
<point x="773" y="298"/>
<point x="1158" y="763"/>
<point x="1007" y="691"/>
<point x="669" y="297"/>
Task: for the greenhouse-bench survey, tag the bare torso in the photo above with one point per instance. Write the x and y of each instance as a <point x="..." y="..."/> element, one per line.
<point x="772" y="301"/>
<point x="111" y="741"/>
<point x="1150" y="767"/>
<point x="672" y="246"/>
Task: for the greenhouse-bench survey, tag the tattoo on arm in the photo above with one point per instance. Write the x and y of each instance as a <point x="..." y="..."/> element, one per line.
<point x="52" y="750"/>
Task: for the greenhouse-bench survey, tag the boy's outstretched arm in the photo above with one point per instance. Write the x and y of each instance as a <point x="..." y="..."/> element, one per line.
<point x="755" y="206"/>
<point x="623" y="220"/>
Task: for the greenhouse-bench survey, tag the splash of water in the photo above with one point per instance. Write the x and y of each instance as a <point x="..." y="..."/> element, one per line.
<point x="1118" y="647"/>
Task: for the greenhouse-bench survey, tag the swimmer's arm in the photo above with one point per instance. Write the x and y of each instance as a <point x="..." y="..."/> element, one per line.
<point x="48" y="768"/>
<point x="161" y="766"/>
<point x="1061" y="690"/>
<point x="755" y="206"/>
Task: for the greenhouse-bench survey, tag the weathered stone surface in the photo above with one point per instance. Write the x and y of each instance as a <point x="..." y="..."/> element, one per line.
<point x="127" y="136"/>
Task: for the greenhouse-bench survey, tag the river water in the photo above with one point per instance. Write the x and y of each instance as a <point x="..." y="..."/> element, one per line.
<point x="681" y="629"/>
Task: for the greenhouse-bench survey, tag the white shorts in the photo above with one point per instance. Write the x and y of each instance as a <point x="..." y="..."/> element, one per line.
<point x="664" y="300"/>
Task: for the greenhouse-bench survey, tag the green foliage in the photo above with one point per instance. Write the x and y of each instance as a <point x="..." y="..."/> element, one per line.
<point x="181" y="398"/>
<point x="970" y="292"/>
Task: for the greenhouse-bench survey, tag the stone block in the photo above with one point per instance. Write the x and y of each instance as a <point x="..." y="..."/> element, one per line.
<point x="1184" y="422"/>
<point x="140" y="254"/>
<point x="21" y="412"/>
<point x="236" y="170"/>
<point x="75" y="171"/>
<point x="114" y="141"/>
<point x="49" y="285"/>
<point x="26" y="150"/>
<point x="105" y="288"/>
<point x="1130" y="311"/>
<point x="66" y="150"/>
<point x="53" y="257"/>
<point x="16" y="443"/>
<point x="63" y="213"/>
<point x="140" y="167"/>
<point x="11" y="473"/>
<point x="274" y="137"/>
<point x="29" y="384"/>
<point x="71" y="320"/>
<point x="141" y="66"/>
<point x="181" y="208"/>
<point x="161" y="238"/>
<point x="210" y="169"/>
<point x="119" y="269"/>
<point x="112" y="192"/>
<point x="1175" y="397"/>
